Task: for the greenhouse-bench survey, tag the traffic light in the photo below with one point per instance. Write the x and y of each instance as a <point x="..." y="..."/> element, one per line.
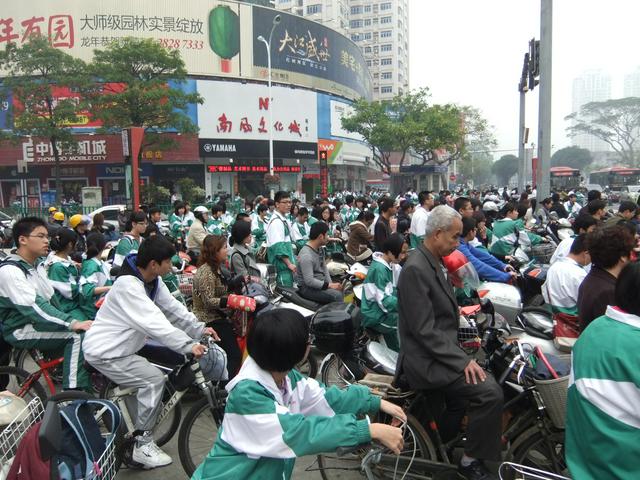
<point x="534" y="63"/>
<point x="323" y="157"/>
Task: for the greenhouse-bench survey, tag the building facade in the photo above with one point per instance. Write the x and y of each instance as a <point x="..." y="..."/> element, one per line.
<point x="631" y="86"/>
<point x="591" y="86"/>
<point x="379" y="27"/>
<point x="313" y="86"/>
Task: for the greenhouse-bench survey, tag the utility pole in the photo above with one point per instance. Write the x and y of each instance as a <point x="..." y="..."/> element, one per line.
<point x="544" y="111"/>
<point x="522" y="88"/>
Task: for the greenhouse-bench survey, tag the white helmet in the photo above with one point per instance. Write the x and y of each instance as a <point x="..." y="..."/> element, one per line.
<point x="490" y="207"/>
<point x="201" y="209"/>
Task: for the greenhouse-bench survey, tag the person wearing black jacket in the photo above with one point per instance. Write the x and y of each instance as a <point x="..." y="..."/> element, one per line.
<point x="558" y="207"/>
<point x="382" y="229"/>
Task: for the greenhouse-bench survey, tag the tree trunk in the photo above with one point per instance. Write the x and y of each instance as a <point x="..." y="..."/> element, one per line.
<point x="56" y="156"/>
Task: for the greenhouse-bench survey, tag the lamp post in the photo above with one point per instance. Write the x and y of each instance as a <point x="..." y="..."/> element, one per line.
<point x="267" y="44"/>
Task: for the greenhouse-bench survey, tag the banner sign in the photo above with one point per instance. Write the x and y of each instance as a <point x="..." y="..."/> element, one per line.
<point x="216" y="148"/>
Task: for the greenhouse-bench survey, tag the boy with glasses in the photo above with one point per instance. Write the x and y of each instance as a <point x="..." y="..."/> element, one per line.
<point x="279" y="246"/>
<point x="29" y="320"/>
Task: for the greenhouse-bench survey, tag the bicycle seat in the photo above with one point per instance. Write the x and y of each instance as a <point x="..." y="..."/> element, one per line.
<point x="155" y="352"/>
<point x="291" y="294"/>
<point x="380" y="358"/>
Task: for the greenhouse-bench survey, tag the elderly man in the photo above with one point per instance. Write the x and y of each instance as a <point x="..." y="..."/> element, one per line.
<point x="430" y="357"/>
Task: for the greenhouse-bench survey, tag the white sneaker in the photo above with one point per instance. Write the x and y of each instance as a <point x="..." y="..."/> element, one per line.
<point x="149" y="455"/>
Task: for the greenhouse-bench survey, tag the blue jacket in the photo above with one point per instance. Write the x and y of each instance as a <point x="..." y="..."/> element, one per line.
<point x="488" y="267"/>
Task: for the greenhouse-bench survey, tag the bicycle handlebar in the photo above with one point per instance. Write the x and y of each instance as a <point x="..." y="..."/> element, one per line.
<point x="342" y="451"/>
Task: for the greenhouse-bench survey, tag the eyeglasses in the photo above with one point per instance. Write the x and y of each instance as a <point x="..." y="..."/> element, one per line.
<point x="41" y="236"/>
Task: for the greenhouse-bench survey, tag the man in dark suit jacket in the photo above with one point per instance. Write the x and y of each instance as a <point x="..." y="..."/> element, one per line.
<point x="430" y="356"/>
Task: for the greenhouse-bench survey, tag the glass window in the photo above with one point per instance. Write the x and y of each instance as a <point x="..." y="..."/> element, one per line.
<point x="386" y="75"/>
<point x="356" y="10"/>
<point x="386" y="47"/>
<point x="386" y="89"/>
<point x="385" y="20"/>
<point x="385" y="6"/>
<point x="386" y="61"/>
<point x="367" y="22"/>
<point x="367" y="36"/>
<point x="311" y="9"/>
<point x="385" y="34"/>
<point x="355" y="24"/>
<point x="367" y="9"/>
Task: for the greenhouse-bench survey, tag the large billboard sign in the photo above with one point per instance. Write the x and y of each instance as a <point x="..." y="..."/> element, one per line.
<point x="215" y="38"/>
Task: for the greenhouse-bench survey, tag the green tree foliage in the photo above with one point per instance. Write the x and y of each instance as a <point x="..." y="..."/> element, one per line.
<point x="135" y="90"/>
<point x="406" y="122"/>
<point x="505" y="168"/>
<point x="574" y="157"/>
<point x="190" y="191"/>
<point x="473" y="153"/>
<point x="616" y="121"/>
<point x="35" y="70"/>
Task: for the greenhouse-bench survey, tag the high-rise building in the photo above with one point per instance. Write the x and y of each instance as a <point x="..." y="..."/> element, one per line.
<point x="632" y="84"/>
<point x="379" y="27"/>
<point x="591" y="86"/>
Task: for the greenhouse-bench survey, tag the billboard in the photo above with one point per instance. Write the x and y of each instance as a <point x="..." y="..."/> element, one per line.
<point x="215" y="38"/>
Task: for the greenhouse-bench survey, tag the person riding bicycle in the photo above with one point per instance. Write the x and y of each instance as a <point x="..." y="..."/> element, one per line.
<point x="139" y="306"/>
<point x="274" y="414"/>
<point x="197" y="232"/>
<point x="29" y="320"/>
<point x="312" y="276"/>
<point x="360" y="238"/>
<point x="95" y="275"/>
<point x="508" y="233"/>
<point x="379" y="297"/>
<point x="241" y="259"/>
<point x="603" y="419"/>
<point x="431" y="358"/>
<point x="130" y="242"/>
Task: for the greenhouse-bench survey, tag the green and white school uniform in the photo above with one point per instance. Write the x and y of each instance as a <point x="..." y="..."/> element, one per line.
<point x="259" y="233"/>
<point x="334" y="232"/>
<point x="215" y="226"/>
<point x="380" y="301"/>
<point x="64" y="277"/>
<point x="95" y="273"/>
<point x="127" y="244"/>
<point x="506" y="234"/>
<point x="278" y="246"/>
<point x="266" y="427"/>
<point x="300" y="234"/>
<point x="179" y="225"/>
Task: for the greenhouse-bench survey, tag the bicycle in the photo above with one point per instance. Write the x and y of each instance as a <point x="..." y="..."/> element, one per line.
<point x="200" y="423"/>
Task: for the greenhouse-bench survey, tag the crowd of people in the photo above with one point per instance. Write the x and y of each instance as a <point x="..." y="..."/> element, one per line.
<point x="50" y="284"/>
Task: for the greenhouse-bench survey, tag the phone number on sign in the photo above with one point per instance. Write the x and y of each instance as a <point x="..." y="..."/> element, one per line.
<point x="176" y="43"/>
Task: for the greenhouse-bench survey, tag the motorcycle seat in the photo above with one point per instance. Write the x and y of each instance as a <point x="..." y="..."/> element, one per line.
<point x="291" y="294"/>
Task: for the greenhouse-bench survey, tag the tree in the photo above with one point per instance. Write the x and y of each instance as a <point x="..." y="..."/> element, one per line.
<point x="616" y="121"/>
<point x="476" y="168"/>
<point x="138" y="79"/>
<point x="35" y="71"/>
<point x="574" y="157"/>
<point x="505" y="168"/>
<point x="407" y="122"/>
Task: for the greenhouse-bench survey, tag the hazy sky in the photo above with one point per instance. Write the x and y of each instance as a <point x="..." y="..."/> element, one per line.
<point x="471" y="52"/>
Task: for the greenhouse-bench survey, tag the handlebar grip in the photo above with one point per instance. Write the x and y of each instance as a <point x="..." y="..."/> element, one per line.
<point x="342" y="451"/>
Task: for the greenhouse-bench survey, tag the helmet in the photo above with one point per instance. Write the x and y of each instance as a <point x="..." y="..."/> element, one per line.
<point x="52" y="209"/>
<point x="201" y="208"/>
<point x="334" y="327"/>
<point x="490" y="206"/>
<point x="58" y="216"/>
<point x="76" y="220"/>
<point x="461" y="272"/>
<point x="214" y="363"/>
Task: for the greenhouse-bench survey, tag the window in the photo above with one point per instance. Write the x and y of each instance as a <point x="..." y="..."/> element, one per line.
<point x="386" y="61"/>
<point x="386" y="75"/>
<point x="367" y="36"/>
<point x="355" y="37"/>
<point x="367" y="49"/>
<point x="367" y="22"/>
<point x="356" y="10"/>
<point x="386" y="89"/>
<point x="368" y="63"/>
<point x="312" y="9"/>
<point x="284" y="1"/>
<point x="355" y="24"/>
<point x="385" y="6"/>
<point x="385" y="20"/>
<point x="367" y="9"/>
<point x="376" y="89"/>
<point x="387" y="47"/>
<point x="386" y="34"/>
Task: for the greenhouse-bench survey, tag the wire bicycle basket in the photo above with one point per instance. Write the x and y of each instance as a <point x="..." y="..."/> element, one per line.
<point x="522" y="472"/>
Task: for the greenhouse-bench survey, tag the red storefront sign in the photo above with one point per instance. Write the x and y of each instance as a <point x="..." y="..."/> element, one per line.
<point x="252" y="169"/>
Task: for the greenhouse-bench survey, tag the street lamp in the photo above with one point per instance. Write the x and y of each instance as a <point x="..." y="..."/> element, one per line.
<point x="267" y="44"/>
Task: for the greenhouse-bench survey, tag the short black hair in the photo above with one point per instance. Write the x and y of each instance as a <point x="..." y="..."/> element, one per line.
<point x="239" y="231"/>
<point x="317" y="229"/>
<point x="593" y="195"/>
<point x="608" y="245"/>
<point x="178" y="205"/>
<point x="241" y="216"/>
<point x="366" y="215"/>
<point x="217" y="208"/>
<point x="302" y="211"/>
<point x="627" y="206"/>
<point x="460" y="203"/>
<point x="579" y="244"/>
<point x="155" y="248"/>
<point x="277" y="339"/>
<point x="393" y="244"/>
<point x="423" y="196"/>
<point x="96" y="242"/>
<point x="153" y="210"/>
<point x="468" y="224"/>
<point x="555" y="197"/>
<point x="262" y="208"/>
<point x="271" y="202"/>
<point x="62" y="238"/>
<point x="594" y="205"/>
<point x="349" y="199"/>
<point x="385" y="204"/>
<point x="509" y="207"/>
<point x="627" y="287"/>
<point x="583" y="222"/>
<point x="135" y="217"/>
<point x="25" y="226"/>
<point x="547" y="200"/>
<point x="406" y="205"/>
<point x="281" y="195"/>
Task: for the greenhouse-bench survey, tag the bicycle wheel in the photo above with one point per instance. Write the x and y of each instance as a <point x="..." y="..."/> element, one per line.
<point x="162" y="432"/>
<point x="417" y="445"/>
<point x="22" y="384"/>
<point x="309" y="367"/>
<point x="542" y="451"/>
<point x="24" y="360"/>
<point x="335" y="373"/>
<point x="197" y="434"/>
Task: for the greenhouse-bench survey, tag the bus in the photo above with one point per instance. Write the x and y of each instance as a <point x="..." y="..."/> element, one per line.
<point x="615" y="177"/>
<point x="564" y="178"/>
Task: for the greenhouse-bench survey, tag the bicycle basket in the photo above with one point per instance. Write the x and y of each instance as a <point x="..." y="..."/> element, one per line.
<point x="185" y="284"/>
<point x="468" y="335"/>
<point x="522" y="472"/>
<point x="554" y="396"/>
<point x="543" y="252"/>
<point x="12" y="434"/>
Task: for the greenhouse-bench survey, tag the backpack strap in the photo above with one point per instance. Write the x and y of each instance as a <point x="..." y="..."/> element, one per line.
<point x="242" y="257"/>
<point x="15" y="264"/>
